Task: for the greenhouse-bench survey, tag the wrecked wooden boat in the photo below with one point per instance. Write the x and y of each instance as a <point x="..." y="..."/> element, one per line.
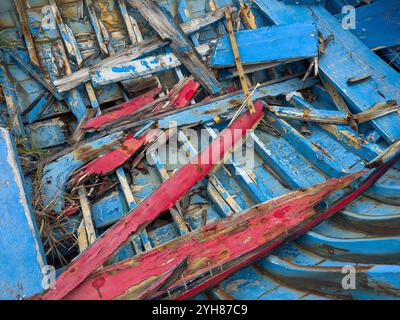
<point x="140" y="133"/>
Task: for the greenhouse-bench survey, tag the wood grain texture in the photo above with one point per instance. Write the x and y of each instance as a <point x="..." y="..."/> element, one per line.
<point x="167" y="29"/>
<point x="159" y="201"/>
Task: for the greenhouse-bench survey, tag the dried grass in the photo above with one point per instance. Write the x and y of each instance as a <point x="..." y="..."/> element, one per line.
<point x="53" y="227"/>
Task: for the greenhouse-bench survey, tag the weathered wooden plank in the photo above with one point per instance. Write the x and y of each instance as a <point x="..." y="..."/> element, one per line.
<point x="237" y="59"/>
<point x="207" y="111"/>
<point x="377" y="25"/>
<point x="7" y="85"/>
<point x="30" y="44"/>
<point x="122" y="110"/>
<point x="268" y="44"/>
<point x="22" y="258"/>
<point x="217" y="249"/>
<point x="133" y="36"/>
<point x="115" y="158"/>
<point x="160" y="200"/>
<point x="126" y="189"/>
<point x="34" y="72"/>
<point x="73" y="50"/>
<point x="57" y="173"/>
<point x="167" y="29"/>
<point x="96" y="27"/>
<point x="134" y="69"/>
<point x="132" y="53"/>
<point x="73" y="97"/>
<point x="347" y="57"/>
<point x="87" y="215"/>
<point x="321" y="116"/>
<point x="139" y="68"/>
<point x="391" y="152"/>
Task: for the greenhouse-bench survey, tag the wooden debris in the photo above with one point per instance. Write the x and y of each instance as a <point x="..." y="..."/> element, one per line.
<point x="238" y="62"/>
<point x="159" y="201"/>
<point x="166" y="28"/>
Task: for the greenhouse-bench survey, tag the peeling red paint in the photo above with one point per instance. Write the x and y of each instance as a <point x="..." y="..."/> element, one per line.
<point x="181" y="98"/>
<point x="222" y="243"/>
<point x="162" y="199"/>
<point x="122" y="110"/>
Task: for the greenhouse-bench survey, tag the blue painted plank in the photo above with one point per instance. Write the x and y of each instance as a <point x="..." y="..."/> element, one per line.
<point x="22" y="258"/>
<point x="205" y="112"/>
<point x="378" y="24"/>
<point x="268" y="44"/>
<point x="346" y="57"/>
<point x="57" y="173"/>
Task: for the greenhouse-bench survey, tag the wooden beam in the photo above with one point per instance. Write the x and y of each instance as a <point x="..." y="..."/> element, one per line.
<point x="159" y="201"/>
<point x="216" y="250"/>
<point x="238" y="62"/>
<point x="167" y="29"/>
<point x="132" y="53"/>
<point x="30" y="44"/>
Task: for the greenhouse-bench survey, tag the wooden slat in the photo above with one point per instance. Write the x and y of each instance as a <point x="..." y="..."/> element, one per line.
<point x="167" y="29"/>
<point x="159" y="201"/>
<point x="22" y="258"/>
<point x="215" y="251"/>
<point x="30" y="44"/>
<point x="238" y="62"/>
<point x="268" y="45"/>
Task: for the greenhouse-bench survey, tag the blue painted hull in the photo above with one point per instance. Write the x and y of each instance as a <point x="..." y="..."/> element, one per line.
<point x="364" y="237"/>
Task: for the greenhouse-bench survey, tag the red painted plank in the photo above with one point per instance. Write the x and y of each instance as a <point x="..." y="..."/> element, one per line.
<point x="180" y="96"/>
<point x="159" y="201"/>
<point x="114" y="158"/>
<point x="227" y="243"/>
<point x="332" y="209"/>
<point x="122" y="110"/>
<point x="183" y="98"/>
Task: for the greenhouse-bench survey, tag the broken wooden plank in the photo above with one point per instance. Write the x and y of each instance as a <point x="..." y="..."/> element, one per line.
<point x="132" y="53"/>
<point x="377" y="24"/>
<point x="214" y="251"/>
<point x="7" y="85"/>
<point x="57" y="173"/>
<point x="160" y="200"/>
<point x="331" y="116"/>
<point x="113" y="159"/>
<point x="392" y="152"/>
<point x="121" y="110"/>
<point x="87" y="215"/>
<point x="319" y="116"/>
<point x="345" y="57"/>
<point x="96" y="27"/>
<point x="133" y="36"/>
<point x="268" y="44"/>
<point x="30" y="44"/>
<point x="238" y="61"/>
<point x="18" y="56"/>
<point x="226" y="105"/>
<point x="167" y="29"/>
<point x="22" y="259"/>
